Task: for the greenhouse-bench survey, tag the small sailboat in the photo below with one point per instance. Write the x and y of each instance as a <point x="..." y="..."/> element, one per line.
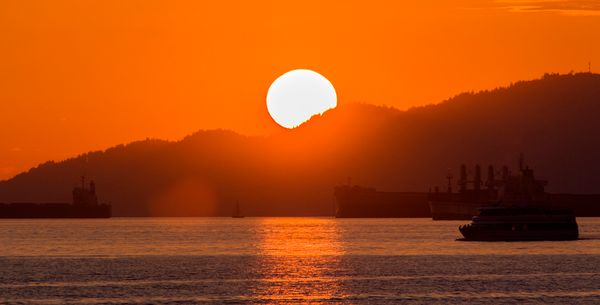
<point x="237" y="213"/>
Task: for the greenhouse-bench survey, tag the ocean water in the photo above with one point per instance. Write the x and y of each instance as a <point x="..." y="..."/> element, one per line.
<point x="287" y="261"/>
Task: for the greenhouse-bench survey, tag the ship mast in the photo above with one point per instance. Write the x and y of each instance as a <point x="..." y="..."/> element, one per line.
<point x="521" y="162"/>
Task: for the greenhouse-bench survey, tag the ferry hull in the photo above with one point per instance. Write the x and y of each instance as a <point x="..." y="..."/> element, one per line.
<point x="521" y="224"/>
<point x="520" y="236"/>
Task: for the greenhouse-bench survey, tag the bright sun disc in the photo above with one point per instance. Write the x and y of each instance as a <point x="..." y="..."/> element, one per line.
<point x="297" y="95"/>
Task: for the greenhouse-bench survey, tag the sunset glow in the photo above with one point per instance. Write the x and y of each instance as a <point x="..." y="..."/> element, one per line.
<point x="85" y="75"/>
<point x="299" y="152"/>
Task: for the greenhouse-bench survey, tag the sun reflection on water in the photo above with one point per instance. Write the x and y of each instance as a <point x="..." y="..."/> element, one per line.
<point x="298" y="257"/>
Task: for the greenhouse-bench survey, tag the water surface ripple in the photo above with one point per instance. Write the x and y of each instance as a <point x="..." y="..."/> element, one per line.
<point x="287" y="261"/>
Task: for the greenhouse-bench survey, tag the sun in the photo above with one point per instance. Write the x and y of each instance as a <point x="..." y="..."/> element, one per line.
<point x="297" y="95"/>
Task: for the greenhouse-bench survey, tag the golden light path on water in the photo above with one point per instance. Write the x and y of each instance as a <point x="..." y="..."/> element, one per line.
<point x="269" y="236"/>
<point x="286" y="276"/>
<point x="287" y="261"/>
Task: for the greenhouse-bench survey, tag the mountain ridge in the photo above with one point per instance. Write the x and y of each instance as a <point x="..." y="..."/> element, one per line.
<point x="551" y="120"/>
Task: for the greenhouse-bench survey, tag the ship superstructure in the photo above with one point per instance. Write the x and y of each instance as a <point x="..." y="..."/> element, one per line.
<point x="520" y="188"/>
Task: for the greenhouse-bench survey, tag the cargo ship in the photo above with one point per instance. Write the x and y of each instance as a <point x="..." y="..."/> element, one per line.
<point x="473" y="193"/>
<point x="84" y="205"/>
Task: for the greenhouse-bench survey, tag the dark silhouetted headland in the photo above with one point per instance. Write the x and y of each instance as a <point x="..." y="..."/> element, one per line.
<point x="553" y="121"/>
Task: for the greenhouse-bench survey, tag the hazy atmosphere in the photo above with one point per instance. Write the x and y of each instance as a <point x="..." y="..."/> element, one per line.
<point x="299" y="152"/>
<point x="77" y="76"/>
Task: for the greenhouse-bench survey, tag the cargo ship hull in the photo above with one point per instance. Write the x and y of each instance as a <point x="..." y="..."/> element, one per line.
<point x="362" y="202"/>
<point x="448" y="210"/>
<point x="583" y="205"/>
<point x="53" y="210"/>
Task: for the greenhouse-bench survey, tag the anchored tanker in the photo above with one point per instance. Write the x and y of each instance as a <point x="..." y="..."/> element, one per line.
<point x="354" y="201"/>
<point x="85" y="205"/>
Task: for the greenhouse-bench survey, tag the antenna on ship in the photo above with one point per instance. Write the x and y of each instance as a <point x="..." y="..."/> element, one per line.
<point x="449" y="177"/>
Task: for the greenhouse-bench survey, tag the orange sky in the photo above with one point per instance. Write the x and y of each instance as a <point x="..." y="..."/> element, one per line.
<point x="85" y="75"/>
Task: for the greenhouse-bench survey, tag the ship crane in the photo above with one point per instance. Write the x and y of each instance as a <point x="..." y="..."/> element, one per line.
<point x="477" y="182"/>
